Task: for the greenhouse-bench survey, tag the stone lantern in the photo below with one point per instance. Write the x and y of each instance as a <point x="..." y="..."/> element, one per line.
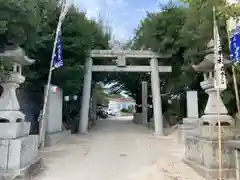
<point x="201" y="144"/>
<point x="9" y="105"/>
<point x="19" y="150"/>
<point x="211" y="109"/>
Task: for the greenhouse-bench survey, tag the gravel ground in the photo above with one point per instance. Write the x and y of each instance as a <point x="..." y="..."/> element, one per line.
<point x="117" y="150"/>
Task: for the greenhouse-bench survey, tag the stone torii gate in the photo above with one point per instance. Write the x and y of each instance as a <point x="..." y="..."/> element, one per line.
<point x="121" y="56"/>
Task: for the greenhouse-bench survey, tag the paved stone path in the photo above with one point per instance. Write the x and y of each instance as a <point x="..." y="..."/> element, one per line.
<point x="116" y="150"/>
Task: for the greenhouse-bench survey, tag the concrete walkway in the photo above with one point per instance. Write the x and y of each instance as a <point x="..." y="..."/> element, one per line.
<point x="116" y="150"/>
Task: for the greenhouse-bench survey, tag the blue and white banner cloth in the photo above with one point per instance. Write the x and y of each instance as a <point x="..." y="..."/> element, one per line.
<point x="58" y="56"/>
<point x="235" y="45"/>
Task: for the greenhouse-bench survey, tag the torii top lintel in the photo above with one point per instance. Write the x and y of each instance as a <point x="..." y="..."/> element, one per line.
<point x="141" y="54"/>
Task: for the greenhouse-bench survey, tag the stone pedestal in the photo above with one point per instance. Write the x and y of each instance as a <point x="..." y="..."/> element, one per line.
<point x="137" y="118"/>
<point x="201" y="152"/>
<point x="54" y="128"/>
<point x="235" y="144"/>
<point x="19" y="155"/>
<point x="201" y="144"/>
<point x="144" y="103"/>
<point x="191" y="122"/>
<point x="189" y="125"/>
<point x="56" y="137"/>
<point x="94" y="107"/>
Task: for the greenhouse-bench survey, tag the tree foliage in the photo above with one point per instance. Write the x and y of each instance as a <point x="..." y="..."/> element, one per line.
<point x="18" y="22"/>
<point x="101" y="95"/>
<point x="199" y="25"/>
<point x="79" y="35"/>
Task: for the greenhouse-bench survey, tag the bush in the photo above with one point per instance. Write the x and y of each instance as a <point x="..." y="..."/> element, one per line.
<point x="124" y="110"/>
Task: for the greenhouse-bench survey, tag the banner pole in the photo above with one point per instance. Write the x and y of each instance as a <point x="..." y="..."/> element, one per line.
<point x="42" y="129"/>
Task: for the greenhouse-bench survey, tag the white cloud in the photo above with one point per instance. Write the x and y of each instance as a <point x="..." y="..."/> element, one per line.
<point x="116" y="2"/>
<point x="96" y="7"/>
<point x="92" y="7"/>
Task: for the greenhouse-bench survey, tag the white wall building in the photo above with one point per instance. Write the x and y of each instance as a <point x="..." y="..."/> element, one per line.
<point x="116" y="105"/>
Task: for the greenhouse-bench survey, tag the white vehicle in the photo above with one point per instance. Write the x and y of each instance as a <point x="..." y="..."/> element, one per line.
<point x="111" y="112"/>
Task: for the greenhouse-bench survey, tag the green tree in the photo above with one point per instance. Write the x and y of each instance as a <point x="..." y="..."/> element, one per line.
<point x="79" y="35"/>
<point x="18" y="27"/>
<point x="31" y="24"/>
<point x="18" y="22"/>
<point x="101" y="95"/>
<point x="199" y="26"/>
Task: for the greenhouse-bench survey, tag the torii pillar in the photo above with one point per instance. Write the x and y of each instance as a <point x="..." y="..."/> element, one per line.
<point x="86" y="96"/>
<point x="156" y="97"/>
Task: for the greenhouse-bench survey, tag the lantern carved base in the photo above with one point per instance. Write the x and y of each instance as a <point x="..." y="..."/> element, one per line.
<point x="19" y="155"/>
<point x="56" y="137"/>
<point x="202" y="155"/>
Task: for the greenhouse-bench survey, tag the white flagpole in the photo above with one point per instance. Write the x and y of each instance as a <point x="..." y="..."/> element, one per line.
<point x="218" y="84"/>
<point x="42" y="117"/>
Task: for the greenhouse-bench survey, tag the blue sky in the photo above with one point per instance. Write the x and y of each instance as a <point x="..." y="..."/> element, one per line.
<point x="123" y="16"/>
